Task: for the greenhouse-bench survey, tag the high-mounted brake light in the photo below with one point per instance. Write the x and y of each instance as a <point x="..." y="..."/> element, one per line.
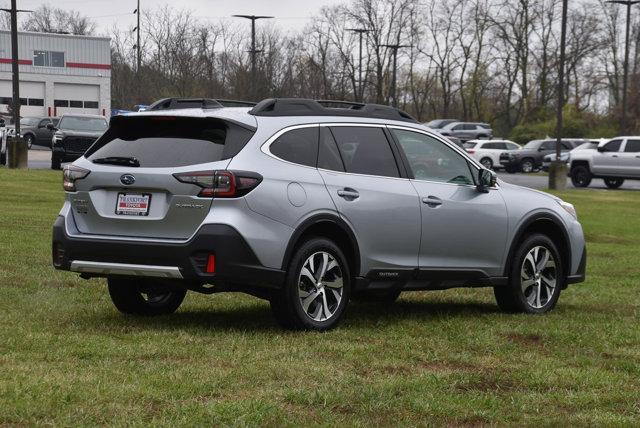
<point x="70" y="174"/>
<point x="221" y="184"/>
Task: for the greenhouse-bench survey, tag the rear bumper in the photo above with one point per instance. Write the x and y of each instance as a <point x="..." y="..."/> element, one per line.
<point x="235" y="262"/>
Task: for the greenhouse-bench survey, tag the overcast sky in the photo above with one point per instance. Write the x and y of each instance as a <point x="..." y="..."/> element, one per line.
<point x="292" y="14"/>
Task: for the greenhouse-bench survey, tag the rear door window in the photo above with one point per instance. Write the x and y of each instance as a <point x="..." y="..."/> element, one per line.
<point x="297" y="146"/>
<point x="365" y="150"/>
<point x="168" y="141"/>
<point x="328" y="153"/>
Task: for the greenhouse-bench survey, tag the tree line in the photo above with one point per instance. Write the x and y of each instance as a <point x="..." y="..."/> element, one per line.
<point x="483" y="60"/>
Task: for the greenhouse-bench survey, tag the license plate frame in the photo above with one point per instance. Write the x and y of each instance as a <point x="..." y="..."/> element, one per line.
<point x="133" y="211"/>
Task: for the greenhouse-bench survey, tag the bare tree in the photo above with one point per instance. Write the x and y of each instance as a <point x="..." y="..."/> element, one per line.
<point x="47" y="19"/>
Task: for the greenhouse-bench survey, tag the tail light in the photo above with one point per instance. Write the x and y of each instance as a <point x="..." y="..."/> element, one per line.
<point x="70" y="174"/>
<point x="221" y="184"/>
<point x="470" y="151"/>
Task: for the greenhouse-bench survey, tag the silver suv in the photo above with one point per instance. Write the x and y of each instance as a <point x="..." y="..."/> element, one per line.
<point x="306" y="206"/>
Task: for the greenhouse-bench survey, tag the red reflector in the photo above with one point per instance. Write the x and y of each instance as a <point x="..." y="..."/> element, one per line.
<point x="211" y="263"/>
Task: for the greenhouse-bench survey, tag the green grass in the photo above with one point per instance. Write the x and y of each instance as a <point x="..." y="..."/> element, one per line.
<point x="67" y="357"/>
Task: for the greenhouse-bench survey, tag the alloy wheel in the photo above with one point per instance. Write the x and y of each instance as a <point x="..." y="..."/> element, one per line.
<point x="527" y="166"/>
<point x="320" y="286"/>
<point x="538" y="277"/>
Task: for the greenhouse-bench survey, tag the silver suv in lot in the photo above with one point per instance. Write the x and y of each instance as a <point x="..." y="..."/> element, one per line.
<point x="306" y="206"/>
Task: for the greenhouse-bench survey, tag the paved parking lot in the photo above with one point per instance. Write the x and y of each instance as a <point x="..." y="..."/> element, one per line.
<point x="40" y="158"/>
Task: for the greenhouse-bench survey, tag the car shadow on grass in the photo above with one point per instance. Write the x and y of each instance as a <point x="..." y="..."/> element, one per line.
<point x="257" y="316"/>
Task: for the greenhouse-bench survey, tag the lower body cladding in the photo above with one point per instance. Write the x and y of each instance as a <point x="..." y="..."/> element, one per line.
<point x="217" y="254"/>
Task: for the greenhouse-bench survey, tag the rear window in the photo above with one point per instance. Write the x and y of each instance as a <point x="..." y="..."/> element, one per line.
<point x="167" y="141"/>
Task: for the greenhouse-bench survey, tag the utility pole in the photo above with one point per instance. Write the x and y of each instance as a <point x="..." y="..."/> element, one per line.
<point x="623" y="113"/>
<point x="360" y="31"/>
<point x="394" y="48"/>
<point x="137" y="29"/>
<point x="17" y="151"/>
<point x="253" y="51"/>
<point x="558" y="169"/>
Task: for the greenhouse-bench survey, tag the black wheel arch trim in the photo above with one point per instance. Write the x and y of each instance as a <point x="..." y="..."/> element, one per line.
<point x="533" y="218"/>
<point x="316" y="219"/>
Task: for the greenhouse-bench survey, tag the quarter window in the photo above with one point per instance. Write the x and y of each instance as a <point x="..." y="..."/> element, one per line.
<point x="365" y="150"/>
<point x="298" y="146"/>
<point x="432" y="160"/>
<point x="633" y="146"/>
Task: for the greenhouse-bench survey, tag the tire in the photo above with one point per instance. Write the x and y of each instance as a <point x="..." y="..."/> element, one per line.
<point x="56" y="162"/>
<point x="144" y="296"/>
<point x="487" y="163"/>
<point x="3" y="158"/>
<point x="581" y="176"/>
<point x="530" y="289"/>
<point x="295" y="307"/>
<point x="527" y="165"/>
<point x="613" y="183"/>
<point x="386" y="296"/>
<point x="29" y="139"/>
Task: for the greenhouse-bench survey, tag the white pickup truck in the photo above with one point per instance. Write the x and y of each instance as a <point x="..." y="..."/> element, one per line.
<point x="614" y="161"/>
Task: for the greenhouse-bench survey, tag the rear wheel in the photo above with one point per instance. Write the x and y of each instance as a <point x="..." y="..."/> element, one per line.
<point x="487" y="163"/>
<point x="527" y="165"/>
<point x="613" y="183"/>
<point x="316" y="289"/>
<point x="144" y="296"/>
<point x="535" y="280"/>
<point x="581" y="176"/>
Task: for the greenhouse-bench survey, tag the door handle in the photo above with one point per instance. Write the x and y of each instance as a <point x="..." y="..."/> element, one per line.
<point x="432" y="201"/>
<point x="348" y="193"/>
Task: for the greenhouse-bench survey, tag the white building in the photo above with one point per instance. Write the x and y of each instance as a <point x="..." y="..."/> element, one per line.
<point x="59" y="73"/>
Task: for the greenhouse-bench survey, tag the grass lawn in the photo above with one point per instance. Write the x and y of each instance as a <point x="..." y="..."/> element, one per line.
<point x="447" y="357"/>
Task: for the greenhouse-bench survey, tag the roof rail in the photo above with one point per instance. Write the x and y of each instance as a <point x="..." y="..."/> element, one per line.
<point x="235" y="103"/>
<point x="307" y="107"/>
<point x="180" y="103"/>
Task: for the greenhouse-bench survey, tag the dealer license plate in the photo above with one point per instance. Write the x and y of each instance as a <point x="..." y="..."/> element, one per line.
<point x="133" y="204"/>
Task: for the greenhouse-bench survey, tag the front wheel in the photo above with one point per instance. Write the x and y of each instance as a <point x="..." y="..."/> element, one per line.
<point x="56" y="162"/>
<point x="535" y="280"/>
<point x="316" y="289"/>
<point x="29" y="140"/>
<point x="613" y="183"/>
<point x="527" y="165"/>
<point x="580" y="176"/>
<point x="144" y="296"/>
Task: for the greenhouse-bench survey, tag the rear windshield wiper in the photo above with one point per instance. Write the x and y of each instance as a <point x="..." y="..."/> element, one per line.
<point x="118" y="160"/>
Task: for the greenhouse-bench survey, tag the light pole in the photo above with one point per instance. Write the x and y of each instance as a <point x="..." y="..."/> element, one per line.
<point x="17" y="151"/>
<point x="394" y="48"/>
<point x="253" y="50"/>
<point x="137" y="46"/>
<point x="558" y="169"/>
<point x="623" y="113"/>
<point x="360" y="31"/>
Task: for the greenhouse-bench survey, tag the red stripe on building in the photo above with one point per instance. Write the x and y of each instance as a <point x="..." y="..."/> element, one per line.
<point x="87" y="65"/>
<point x="20" y="61"/>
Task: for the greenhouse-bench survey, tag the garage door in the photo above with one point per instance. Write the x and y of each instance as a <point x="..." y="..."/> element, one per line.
<point x="31" y="97"/>
<point x="74" y="98"/>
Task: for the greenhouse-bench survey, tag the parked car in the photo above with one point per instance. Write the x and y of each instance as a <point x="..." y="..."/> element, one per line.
<point x="440" y="123"/>
<point x="34" y="130"/>
<point x="73" y="135"/>
<point x="487" y="152"/>
<point x="564" y="156"/>
<point x="530" y="157"/>
<point x="307" y="207"/>
<point x="614" y="161"/>
<point x="467" y="131"/>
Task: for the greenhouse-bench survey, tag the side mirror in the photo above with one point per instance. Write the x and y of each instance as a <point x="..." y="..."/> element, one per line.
<point x="601" y="149"/>
<point x="486" y="180"/>
<point x="50" y="127"/>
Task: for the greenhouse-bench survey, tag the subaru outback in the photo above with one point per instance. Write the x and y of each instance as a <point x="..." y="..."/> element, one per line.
<point x="305" y="205"/>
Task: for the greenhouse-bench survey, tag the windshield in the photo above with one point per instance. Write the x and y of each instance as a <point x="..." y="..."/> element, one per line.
<point x="533" y="144"/>
<point x="29" y="121"/>
<point x="83" y="123"/>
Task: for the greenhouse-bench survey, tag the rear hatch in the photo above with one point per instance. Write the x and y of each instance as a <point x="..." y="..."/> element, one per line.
<point x="132" y="191"/>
